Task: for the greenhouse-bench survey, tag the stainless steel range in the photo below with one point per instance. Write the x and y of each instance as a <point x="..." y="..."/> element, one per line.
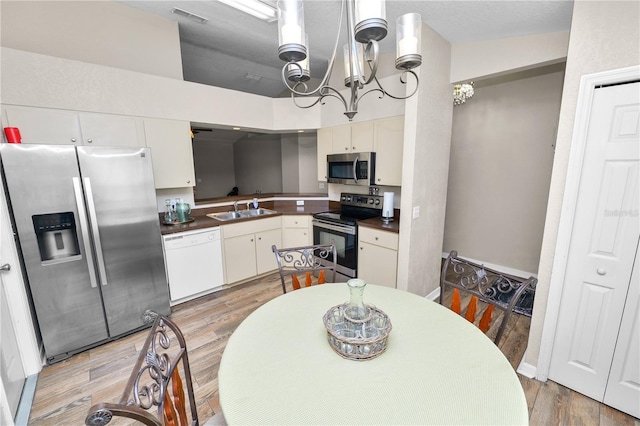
<point x="341" y="227"/>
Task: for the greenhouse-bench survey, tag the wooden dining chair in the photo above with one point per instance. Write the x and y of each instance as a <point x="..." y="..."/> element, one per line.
<point x="306" y="265"/>
<point x="477" y="283"/>
<point x="159" y="391"/>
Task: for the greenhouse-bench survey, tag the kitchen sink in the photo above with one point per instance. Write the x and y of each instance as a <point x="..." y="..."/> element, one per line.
<point x="241" y="214"/>
<point x="226" y="215"/>
<point x="257" y="212"/>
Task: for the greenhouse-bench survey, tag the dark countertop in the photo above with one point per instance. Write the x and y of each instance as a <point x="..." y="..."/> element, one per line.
<point x="377" y="223"/>
<point x="282" y="207"/>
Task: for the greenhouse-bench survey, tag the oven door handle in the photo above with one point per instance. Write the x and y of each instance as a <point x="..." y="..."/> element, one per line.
<point x="350" y="230"/>
<point x="355" y="169"/>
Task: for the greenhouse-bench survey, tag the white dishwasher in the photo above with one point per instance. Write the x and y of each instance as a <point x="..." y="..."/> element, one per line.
<point x="194" y="263"/>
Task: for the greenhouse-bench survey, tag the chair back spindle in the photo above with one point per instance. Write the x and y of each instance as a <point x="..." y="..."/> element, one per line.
<point x="505" y="292"/>
<point x="315" y="264"/>
<point x="159" y="391"/>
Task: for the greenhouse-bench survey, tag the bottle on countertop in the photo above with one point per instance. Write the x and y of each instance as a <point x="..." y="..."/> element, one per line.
<point x="168" y="212"/>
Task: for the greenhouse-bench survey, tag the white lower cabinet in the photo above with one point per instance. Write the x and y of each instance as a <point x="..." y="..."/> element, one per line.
<point x="247" y="248"/>
<point x="296" y="231"/>
<point x="377" y="256"/>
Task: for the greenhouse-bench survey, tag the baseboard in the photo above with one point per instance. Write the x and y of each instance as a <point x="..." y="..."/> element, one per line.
<point x="26" y="400"/>
<point x="434" y="294"/>
<point x="504" y="269"/>
<point x="526" y="369"/>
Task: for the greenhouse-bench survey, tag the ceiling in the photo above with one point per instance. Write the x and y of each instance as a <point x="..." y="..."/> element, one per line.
<point x="237" y="51"/>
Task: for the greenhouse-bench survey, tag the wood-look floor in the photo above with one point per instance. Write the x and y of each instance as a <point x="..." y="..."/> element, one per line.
<point x="66" y="390"/>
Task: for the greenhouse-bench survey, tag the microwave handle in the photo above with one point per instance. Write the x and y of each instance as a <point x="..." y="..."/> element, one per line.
<point x="355" y="169"/>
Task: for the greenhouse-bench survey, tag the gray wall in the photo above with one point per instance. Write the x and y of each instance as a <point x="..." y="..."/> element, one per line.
<point x="290" y="169"/>
<point x="215" y="172"/>
<point x="500" y="168"/>
<point x="258" y="164"/>
<point x="308" y="164"/>
<point x="282" y="163"/>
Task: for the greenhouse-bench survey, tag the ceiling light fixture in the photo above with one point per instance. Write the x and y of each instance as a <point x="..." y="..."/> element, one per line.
<point x="256" y="8"/>
<point x="366" y="25"/>
<point x="462" y="92"/>
<point x="197" y="18"/>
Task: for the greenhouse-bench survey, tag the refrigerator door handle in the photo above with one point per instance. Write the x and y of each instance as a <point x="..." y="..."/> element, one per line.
<point x="94" y="230"/>
<point x="82" y="216"/>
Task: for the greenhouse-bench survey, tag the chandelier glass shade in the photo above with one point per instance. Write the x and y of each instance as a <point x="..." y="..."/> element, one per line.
<point x="366" y="25"/>
<point x="462" y="92"/>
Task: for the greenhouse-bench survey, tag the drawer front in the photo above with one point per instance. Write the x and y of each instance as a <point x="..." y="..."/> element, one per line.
<point x="379" y="238"/>
<point x="295" y="221"/>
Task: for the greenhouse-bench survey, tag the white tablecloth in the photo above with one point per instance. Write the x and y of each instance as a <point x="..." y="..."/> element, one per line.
<point x="278" y="367"/>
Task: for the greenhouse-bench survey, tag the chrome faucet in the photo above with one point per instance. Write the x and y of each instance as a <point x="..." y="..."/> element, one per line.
<point x="248" y="205"/>
<point x="235" y="206"/>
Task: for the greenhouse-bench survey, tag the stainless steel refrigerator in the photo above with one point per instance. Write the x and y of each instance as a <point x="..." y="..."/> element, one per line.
<point x="88" y="230"/>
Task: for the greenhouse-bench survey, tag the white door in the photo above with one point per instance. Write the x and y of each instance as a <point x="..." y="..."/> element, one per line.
<point x="11" y="369"/>
<point x="603" y="243"/>
<point x="623" y="386"/>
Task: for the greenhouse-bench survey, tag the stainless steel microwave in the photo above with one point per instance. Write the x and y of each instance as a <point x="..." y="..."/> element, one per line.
<point x="358" y="168"/>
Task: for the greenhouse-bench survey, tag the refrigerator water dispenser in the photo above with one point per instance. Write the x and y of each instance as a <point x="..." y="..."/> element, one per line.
<point x="57" y="236"/>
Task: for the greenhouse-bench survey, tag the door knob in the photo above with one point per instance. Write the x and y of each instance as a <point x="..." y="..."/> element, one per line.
<point x="601" y="271"/>
<point x="5" y="267"/>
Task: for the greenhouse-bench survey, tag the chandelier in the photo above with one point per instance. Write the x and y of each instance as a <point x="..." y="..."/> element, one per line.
<point x="462" y="92"/>
<point x="366" y="25"/>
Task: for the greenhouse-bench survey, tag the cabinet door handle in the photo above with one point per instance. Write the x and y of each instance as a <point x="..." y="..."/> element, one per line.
<point x="89" y="141"/>
<point x="259" y="238"/>
<point x="73" y="140"/>
<point x="376" y="238"/>
<point x="601" y="271"/>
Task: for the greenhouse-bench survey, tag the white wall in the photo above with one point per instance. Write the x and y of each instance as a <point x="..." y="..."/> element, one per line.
<point x="427" y="138"/>
<point x="495" y="57"/>
<point x="98" y="32"/>
<point x="501" y="157"/>
<point x="604" y="36"/>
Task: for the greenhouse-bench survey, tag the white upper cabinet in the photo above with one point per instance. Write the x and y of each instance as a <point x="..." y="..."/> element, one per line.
<point x="389" y="141"/>
<point x="341" y="138"/>
<point x="111" y="130"/>
<point x="63" y="127"/>
<point x="325" y="147"/>
<point x="356" y="137"/>
<point x="170" y="143"/>
<point x="362" y="136"/>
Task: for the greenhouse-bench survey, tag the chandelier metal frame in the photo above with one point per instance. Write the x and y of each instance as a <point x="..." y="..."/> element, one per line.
<point x="295" y="76"/>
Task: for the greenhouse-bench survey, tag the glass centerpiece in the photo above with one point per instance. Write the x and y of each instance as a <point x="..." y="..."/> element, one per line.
<point x="355" y="330"/>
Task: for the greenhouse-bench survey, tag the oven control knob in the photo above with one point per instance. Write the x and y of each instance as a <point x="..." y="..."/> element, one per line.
<point x="371" y="201"/>
<point x="377" y="202"/>
<point x="344" y="198"/>
<point x="348" y="198"/>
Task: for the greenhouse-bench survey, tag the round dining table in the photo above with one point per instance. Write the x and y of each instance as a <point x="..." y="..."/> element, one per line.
<point x="278" y="367"/>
